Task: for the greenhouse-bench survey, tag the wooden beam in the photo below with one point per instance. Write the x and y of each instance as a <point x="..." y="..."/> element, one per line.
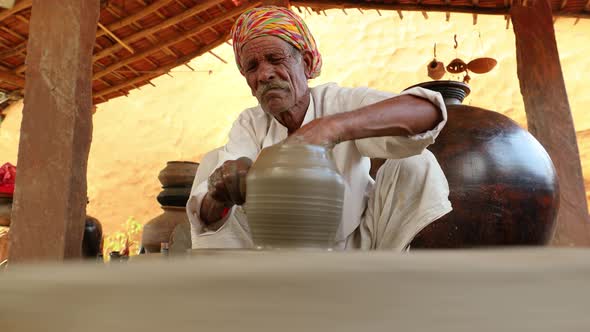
<point x="56" y="132"/>
<point x="156" y="48"/>
<point x="548" y="114"/>
<point x="12" y="79"/>
<point x="158" y="27"/>
<point x="19" y="6"/>
<point x="163" y="70"/>
<point x="587" y="7"/>
<point x="279" y="3"/>
<point x="347" y="4"/>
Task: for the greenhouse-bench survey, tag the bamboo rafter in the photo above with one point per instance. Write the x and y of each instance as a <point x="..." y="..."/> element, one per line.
<point x="234" y="12"/>
<point x="162" y="70"/>
<point x="163" y="25"/>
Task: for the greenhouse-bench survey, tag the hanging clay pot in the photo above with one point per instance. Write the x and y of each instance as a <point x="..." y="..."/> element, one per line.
<point x="503" y="186"/>
<point x="294" y="197"/>
<point x="159" y="229"/>
<point x="178" y="174"/>
<point x="481" y="65"/>
<point x="436" y="69"/>
<point x="456" y="66"/>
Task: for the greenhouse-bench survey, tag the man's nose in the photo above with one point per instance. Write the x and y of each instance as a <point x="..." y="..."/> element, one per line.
<point x="266" y="72"/>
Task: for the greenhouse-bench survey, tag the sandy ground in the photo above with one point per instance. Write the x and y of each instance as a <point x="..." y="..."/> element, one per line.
<point x="190" y="113"/>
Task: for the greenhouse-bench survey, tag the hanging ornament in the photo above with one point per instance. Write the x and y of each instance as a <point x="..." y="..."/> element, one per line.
<point x="481" y="65"/>
<point x="456" y="66"/>
<point x="436" y="69"/>
<point x="466" y="78"/>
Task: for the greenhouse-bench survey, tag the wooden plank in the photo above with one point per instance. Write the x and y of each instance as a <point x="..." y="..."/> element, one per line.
<point x="548" y="114"/>
<point x="543" y="290"/>
<point x="19" y="6"/>
<point x="12" y="79"/>
<point x="156" y="48"/>
<point x="347" y="4"/>
<point x="160" y="26"/>
<point x="56" y="132"/>
<point x="164" y="69"/>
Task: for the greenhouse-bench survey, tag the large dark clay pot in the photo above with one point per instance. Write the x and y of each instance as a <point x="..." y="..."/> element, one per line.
<point x="503" y="186"/>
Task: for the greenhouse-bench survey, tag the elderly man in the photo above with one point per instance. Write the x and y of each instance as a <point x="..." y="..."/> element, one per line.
<point x="277" y="55"/>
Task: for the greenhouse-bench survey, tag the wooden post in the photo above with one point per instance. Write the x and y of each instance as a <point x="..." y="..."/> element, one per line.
<point x="548" y="114"/>
<point x="50" y="197"/>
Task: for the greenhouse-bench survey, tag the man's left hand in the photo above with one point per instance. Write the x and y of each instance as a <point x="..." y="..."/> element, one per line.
<point x="321" y="131"/>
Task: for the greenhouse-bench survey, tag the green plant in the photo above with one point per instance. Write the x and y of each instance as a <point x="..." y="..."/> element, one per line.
<point x="128" y="238"/>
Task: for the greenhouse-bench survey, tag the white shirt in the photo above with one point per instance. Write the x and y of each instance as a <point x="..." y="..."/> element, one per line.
<point x="254" y="130"/>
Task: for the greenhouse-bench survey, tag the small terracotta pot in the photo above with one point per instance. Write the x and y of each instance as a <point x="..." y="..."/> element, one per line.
<point x="436" y="69"/>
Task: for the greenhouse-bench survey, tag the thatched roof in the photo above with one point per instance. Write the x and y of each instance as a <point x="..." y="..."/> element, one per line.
<point x="138" y="40"/>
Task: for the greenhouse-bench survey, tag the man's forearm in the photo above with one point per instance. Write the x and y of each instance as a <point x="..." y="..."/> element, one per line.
<point x="405" y="115"/>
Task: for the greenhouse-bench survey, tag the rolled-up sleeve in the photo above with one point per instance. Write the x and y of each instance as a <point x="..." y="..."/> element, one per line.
<point x="242" y="143"/>
<point x="398" y="147"/>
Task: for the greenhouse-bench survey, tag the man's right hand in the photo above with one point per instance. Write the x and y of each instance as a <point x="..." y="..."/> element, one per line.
<point x="226" y="187"/>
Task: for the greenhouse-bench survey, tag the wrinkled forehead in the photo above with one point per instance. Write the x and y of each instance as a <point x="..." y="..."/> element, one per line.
<point x="265" y="45"/>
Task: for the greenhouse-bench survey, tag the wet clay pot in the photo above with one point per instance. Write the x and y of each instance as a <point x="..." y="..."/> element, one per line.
<point x="294" y="197"/>
<point x="503" y="186"/>
<point x="159" y="229"/>
<point x="178" y="174"/>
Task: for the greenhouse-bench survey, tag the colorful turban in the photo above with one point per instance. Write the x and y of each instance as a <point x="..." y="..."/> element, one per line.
<point x="279" y="22"/>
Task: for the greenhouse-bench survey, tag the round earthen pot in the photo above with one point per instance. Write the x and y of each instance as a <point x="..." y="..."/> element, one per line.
<point x="5" y="210"/>
<point x="160" y="228"/>
<point x="92" y="240"/>
<point x="503" y="186"/>
<point x="178" y="174"/>
<point x="294" y="197"/>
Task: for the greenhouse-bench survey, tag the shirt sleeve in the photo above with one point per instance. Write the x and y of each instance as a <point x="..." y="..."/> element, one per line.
<point x="230" y="231"/>
<point x="398" y="147"/>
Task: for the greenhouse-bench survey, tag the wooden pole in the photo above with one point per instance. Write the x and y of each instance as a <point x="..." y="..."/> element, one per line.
<point x="50" y="198"/>
<point x="548" y="114"/>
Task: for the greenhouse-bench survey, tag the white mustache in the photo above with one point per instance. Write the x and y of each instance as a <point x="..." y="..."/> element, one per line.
<point x="265" y="87"/>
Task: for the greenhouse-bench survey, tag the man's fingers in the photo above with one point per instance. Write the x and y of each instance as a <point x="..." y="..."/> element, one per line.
<point x="216" y="186"/>
<point x="231" y="181"/>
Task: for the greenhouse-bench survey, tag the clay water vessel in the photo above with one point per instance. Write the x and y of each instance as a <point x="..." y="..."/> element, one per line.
<point x="503" y="186"/>
<point x="294" y="197"/>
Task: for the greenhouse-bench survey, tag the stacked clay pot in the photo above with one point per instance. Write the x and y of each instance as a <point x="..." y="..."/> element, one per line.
<point x="176" y="179"/>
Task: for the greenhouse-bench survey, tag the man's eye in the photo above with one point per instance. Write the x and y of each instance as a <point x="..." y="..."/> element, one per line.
<point x="276" y="60"/>
<point x="251" y="67"/>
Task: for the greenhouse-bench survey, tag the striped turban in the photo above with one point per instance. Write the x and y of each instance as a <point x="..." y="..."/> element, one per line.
<point x="279" y="22"/>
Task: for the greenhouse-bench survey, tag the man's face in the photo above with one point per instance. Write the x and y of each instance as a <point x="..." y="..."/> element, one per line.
<point x="275" y="73"/>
